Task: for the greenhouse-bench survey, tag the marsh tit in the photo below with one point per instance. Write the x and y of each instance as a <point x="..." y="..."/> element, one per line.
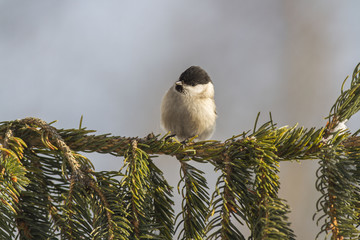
<point x="188" y="107"/>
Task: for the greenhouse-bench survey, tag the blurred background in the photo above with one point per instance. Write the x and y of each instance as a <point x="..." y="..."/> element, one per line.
<point x="111" y="61"/>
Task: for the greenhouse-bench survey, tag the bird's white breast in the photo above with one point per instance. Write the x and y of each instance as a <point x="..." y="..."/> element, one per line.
<point x="190" y="113"/>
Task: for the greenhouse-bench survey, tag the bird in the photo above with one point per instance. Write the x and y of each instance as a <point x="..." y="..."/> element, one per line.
<point x="188" y="108"/>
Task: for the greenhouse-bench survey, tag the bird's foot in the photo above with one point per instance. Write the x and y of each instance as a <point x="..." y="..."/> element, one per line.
<point x="170" y="136"/>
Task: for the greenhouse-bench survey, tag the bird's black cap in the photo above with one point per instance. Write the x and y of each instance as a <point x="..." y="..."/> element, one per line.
<point x="194" y="75"/>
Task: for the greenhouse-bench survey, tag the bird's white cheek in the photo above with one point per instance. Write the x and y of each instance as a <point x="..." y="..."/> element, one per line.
<point x="206" y="89"/>
<point x="193" y="90"/>
<point x="198" y="88"/>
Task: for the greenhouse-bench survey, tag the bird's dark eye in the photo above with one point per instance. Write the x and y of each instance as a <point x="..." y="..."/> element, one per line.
<point x="179" y="88"/>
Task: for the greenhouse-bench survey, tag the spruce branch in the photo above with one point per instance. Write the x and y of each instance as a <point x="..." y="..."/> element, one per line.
<point x="336" y="178"/>
<point x="231" y="199"/>
<point x="195" y="202"/>
<point x="348" y="103"/>
<point x="135" y="177"/>
<point x="60" y="143"/>
<point x="161" y="194"/>
<point x="307" y="142"/>
<point x="269" y="213"/>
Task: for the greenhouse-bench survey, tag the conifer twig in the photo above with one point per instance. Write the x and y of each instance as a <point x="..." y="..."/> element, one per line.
<point x="59" y="142"/>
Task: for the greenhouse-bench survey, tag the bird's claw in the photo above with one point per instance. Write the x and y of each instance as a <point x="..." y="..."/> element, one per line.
<point x="170" y="136"/>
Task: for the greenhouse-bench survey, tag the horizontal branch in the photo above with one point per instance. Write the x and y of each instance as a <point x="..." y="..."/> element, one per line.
<point x="79" y="140"/>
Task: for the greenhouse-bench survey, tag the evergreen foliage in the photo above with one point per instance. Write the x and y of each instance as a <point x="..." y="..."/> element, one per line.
<point x="48" y="190"/>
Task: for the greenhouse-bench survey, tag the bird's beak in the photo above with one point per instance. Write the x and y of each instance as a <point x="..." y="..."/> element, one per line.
<point x="178" y="83"/>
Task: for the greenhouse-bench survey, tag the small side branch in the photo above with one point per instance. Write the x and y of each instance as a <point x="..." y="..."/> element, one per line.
<point x="59" y="142"/>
